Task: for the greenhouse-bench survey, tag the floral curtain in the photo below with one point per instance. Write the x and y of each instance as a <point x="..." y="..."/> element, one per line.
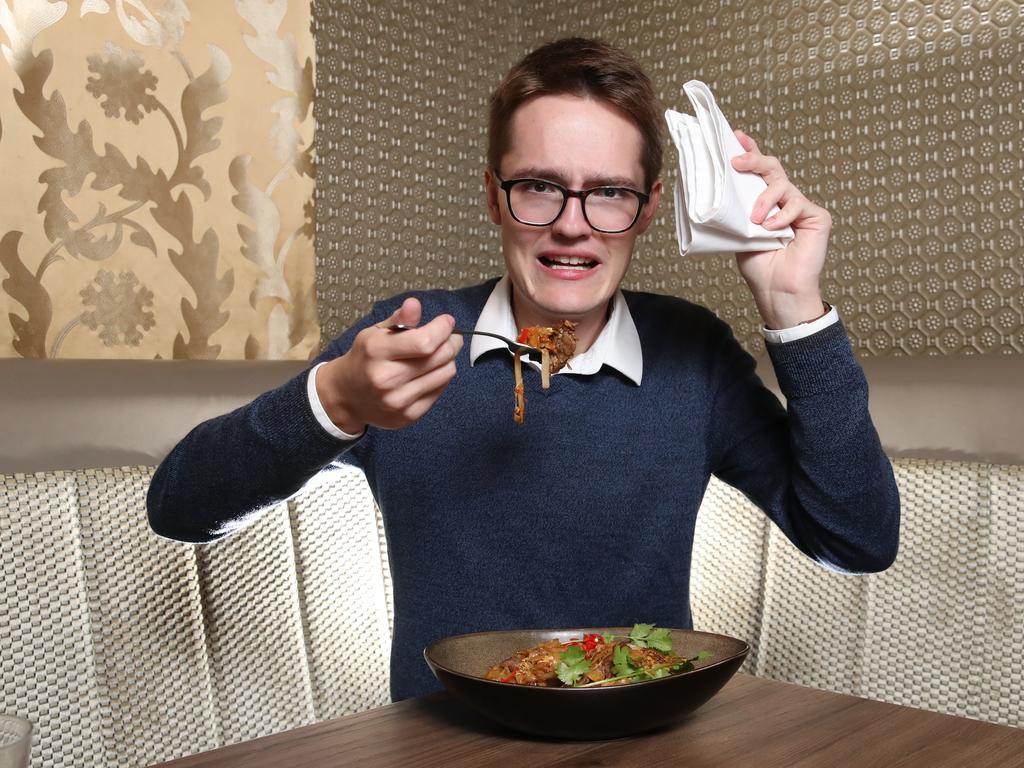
<point x="157" y="192"/>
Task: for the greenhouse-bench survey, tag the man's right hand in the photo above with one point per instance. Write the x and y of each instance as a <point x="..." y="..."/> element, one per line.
<point x="390" y="379"/>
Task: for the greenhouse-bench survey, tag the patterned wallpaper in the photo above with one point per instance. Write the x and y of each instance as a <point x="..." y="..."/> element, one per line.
<point x="904" y="118"/>
<point x="158" y="179"/>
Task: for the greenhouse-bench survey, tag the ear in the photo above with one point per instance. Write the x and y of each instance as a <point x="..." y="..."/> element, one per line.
<point x="493" y="194"/>
<point x="649" y="211"/>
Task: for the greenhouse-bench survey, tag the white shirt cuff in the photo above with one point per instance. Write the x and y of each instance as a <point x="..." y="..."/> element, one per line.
<point x="802" y="330"/>
<point x="321" y="413"/>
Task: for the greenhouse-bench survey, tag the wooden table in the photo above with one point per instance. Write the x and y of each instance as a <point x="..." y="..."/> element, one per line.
<point x="751" y="722"/>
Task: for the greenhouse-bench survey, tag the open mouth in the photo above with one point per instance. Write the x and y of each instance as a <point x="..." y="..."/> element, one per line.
<point x="571" y="263"/>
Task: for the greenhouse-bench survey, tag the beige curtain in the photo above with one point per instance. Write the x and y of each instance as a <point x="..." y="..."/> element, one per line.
<point x="157" y="195"/>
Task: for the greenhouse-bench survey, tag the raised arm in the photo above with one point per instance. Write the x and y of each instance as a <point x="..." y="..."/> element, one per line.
<point x="230" y="468"/>
<point x="818" y="469"/>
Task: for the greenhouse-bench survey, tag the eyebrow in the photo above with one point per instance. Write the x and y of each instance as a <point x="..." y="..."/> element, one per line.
<point x="560" y="177"/>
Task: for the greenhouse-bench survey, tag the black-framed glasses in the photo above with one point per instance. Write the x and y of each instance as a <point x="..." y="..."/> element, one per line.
<point x="539" y="203"/>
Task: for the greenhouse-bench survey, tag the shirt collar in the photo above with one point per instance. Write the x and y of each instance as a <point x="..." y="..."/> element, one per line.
<point x="617" y="346"/>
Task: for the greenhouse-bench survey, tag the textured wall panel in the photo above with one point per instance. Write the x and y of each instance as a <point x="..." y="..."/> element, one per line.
<point x="903" y="118"/>
<point x="906" y="118"/>
<point x="401" y="98"/>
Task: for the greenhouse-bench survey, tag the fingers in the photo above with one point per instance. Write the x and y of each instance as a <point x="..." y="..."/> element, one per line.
<point x="389" y="379"/>
<point x="790" y="211"/>
<point x="416" y="343"/>
<point x="391" y="359"/>
<point x="793" y="209"/>
<point x="447" y="351"/>
<point x="410" y="401"/>
<point x="799" y="212"/>
<point x="746" y="142"/>
<point x="388" y="394"/>
<point x="408" y="314"/>
<point x="420" y="342"/>
<point x="767" y="167"/>
<point x="423" y="403"/>
<point x="784" y="195"/>
<point x="753" y="161"/>
<point x="781" y="192"/>
<point x="395" y="377"/>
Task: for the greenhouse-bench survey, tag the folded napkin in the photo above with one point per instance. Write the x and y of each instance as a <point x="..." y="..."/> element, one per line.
<point x="713" y="200"/>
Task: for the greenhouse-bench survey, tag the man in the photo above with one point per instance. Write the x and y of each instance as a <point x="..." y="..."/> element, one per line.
<point x="584" y="514"/>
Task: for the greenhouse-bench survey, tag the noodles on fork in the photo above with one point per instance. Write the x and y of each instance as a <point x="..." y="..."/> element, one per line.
<point x="556" y="346"/>
<point x="520" y="409"/>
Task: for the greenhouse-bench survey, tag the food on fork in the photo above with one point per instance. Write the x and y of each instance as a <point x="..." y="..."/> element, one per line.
<point x="557" y="345"/>
<point x="558" y="342"/>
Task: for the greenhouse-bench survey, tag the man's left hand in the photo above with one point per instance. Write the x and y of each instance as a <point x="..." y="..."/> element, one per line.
<point x="784" y="281"/>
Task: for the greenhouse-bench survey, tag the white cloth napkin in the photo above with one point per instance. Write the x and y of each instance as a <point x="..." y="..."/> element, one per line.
<point x="713" y="200"/>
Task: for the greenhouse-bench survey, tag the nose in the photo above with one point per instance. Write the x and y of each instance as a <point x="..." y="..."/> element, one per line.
<point x="572" y="224"/>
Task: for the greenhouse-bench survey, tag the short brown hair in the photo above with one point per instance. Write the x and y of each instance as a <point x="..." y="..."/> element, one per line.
<point x="582" y="67"/>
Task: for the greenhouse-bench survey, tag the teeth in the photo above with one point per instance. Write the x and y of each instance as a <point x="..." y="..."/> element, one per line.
<point x="569" y="261"/>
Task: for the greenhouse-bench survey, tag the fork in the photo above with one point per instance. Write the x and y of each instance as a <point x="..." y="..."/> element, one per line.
<point x="513" y="346"/>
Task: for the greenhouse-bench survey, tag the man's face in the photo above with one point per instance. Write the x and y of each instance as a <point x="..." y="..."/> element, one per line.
<point x="567" y="270"/>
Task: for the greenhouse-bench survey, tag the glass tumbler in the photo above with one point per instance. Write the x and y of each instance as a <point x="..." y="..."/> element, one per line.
<point x="15" y="741"/>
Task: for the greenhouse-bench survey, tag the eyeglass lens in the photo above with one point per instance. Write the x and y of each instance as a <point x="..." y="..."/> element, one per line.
<point x="607" y="208"/>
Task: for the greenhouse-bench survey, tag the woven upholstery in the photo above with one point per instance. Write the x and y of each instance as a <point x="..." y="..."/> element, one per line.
<point x="152" y="674"/>
<point x="1000" y="665"/>
<point x="344" y="594"/>
<point x="938" y="601"/>
<point x="253" y="630"/>
<point x="727" y="571"/>
<point x="941" y="629"/>
<point x="125" y="649"/>
<point x="46" y="660"/>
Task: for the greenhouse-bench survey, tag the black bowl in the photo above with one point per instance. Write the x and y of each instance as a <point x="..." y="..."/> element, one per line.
<point x="460" y="662"/>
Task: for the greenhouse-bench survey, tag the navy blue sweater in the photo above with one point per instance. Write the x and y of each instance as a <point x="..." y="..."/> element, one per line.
<point x="584" y="515"/>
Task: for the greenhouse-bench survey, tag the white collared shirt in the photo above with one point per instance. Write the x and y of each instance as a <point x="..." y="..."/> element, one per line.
<point x="617" y="346"/>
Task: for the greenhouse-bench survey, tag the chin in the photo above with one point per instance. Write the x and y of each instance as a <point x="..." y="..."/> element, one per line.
<point x="567" y="300"/>
<point x="578" y="302"/>
<point x="571" y="310"/>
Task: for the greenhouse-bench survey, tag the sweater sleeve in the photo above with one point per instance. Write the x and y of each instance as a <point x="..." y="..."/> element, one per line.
<point x="817" y="468"/>
<point x="229" y="469"/>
